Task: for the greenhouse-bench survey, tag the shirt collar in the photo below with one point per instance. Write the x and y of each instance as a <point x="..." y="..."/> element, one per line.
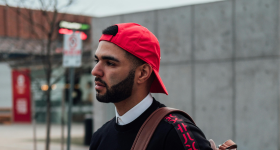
<point x="135" y="111"/>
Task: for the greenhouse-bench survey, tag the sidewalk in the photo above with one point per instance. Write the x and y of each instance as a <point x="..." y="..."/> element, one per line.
<point x="20" y="136"/>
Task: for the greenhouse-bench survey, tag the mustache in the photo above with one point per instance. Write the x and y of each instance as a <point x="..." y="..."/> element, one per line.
<point x="101" y="81"/>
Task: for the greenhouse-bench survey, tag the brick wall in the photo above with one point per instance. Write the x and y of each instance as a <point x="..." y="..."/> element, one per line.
<point x="14" y="25"/>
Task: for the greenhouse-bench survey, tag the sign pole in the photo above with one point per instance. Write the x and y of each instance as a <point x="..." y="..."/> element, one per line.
<point x="62" y="120"/>
<point x="71" y="75"/>
<point x="72" y="57"/>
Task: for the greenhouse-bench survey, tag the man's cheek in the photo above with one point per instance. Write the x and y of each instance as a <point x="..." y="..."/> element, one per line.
<point x="114" y="79"/>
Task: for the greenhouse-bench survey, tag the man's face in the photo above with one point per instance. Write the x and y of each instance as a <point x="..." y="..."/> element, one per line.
<point x="114" y="76"/>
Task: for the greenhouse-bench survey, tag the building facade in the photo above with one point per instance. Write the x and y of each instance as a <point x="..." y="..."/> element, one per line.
<point x="21" y="38"/>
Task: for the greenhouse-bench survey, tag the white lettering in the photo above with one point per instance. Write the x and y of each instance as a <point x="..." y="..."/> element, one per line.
<point x="21" y="106"/>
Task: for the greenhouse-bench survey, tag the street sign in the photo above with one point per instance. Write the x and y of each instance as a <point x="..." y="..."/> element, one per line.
<point x="72" y="50"/>
<point x="74" y="25"/>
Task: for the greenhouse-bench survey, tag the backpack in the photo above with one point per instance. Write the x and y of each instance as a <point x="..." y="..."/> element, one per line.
<point x="147" y="129"/>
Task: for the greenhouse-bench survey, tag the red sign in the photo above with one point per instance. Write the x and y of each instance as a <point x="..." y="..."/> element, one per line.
<point x="21" y="96"/>
<point x="68" y="31"/>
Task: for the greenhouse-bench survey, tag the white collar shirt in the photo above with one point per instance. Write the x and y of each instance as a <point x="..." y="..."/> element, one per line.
<point x="135" y="111"/>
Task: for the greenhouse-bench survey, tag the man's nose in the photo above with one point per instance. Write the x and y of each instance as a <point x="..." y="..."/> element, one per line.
<point x="97" y="71"/>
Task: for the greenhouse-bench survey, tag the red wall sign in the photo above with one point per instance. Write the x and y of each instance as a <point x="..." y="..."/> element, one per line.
<point x="21" y="96"/>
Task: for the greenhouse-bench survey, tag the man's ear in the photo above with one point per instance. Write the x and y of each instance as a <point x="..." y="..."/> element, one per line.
<point x="144" y="72"/>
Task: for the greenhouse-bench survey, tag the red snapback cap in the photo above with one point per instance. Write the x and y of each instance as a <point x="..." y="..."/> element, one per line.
<point x="143" y="44"/>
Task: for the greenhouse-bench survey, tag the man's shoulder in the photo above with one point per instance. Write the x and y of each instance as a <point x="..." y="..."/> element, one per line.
<point x="183" y="130"/>
<point x="172" y="120"/>
<point x="178" y="128"/>
<point x="178" y="117"/>
<point x="166" y="132"/>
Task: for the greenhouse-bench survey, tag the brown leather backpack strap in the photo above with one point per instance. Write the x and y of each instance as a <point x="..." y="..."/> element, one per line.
<point x="147" y="129"/>
<point x="229" y="144"/>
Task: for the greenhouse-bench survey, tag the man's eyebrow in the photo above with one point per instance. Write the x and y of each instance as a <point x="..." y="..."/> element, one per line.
<point x="110" y="58"/>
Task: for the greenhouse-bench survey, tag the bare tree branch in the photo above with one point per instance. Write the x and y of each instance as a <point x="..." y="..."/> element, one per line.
<point x="58" y="78"/>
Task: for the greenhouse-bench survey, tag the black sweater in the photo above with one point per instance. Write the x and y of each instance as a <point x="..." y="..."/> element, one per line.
<point x="112" y="136"/>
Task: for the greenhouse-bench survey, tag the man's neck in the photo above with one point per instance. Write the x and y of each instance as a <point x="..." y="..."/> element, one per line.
<point x="125" y="105"/>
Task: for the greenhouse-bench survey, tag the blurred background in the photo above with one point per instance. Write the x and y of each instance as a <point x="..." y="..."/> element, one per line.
<point x="219" y="63"/>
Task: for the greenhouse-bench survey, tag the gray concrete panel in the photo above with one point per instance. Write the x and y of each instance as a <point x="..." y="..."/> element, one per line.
<point x="146" y="19"/>
<point x="177" y="79"/>
<point x="256" y="26"/>
<point x="256" y="104"/>
<point x="99" y="24"/>
<point x="102" y="112"/>
<point x="6" y="99"/>
<point x="156" y="96"/>
<point x="213" y="100"/>
<point x="213" y="31"/>
<point x="174" y="34"/>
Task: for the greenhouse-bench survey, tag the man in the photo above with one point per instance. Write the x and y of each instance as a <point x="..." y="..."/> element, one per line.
<point x="127" y="71"/>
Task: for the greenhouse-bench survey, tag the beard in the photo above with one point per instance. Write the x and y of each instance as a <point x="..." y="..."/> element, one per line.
<point x="117" y="92"/>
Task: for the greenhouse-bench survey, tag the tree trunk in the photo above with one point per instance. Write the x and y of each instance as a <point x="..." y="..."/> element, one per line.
<point x="48" y="78"/>
<point x="48" y="113"/>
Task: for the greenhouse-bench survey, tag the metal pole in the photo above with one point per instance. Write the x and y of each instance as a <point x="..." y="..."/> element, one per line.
<point x="70" y="106"/>
<point x="34" y="124"/>
<point x="62" y="120"/>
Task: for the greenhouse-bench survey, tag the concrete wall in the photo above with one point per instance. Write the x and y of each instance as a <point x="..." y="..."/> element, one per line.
<point x="220" y="64"/>
<point x="6" y="98"/>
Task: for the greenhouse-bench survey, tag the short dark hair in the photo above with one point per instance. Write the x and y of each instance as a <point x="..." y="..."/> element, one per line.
<point x="113" y="30"/>
<point x="135" y="60"/>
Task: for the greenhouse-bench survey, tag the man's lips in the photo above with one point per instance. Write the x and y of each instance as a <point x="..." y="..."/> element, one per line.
<point x="99" y="85"/>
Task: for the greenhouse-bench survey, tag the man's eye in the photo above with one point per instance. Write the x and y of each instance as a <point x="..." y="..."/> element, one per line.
<point x="110" y="64"/>
<point x="96" y="60"/>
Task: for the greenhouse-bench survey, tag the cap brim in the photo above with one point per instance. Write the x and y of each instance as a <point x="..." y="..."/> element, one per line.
<point x="157" y="85"/>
